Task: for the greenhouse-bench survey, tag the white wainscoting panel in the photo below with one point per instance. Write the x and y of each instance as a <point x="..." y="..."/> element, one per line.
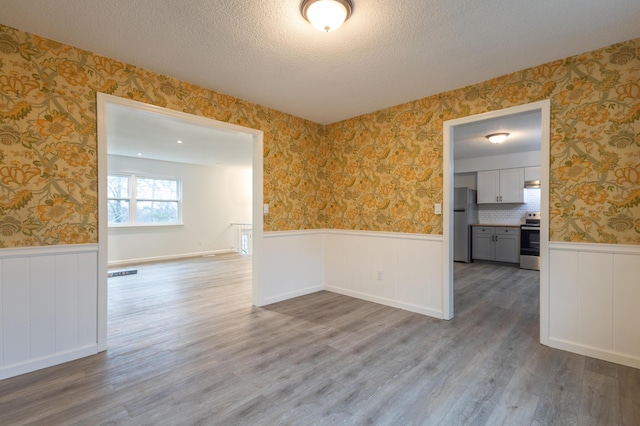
<point x="394" y="269"/>
<point x="48" y="308"/>
<point x="626" y="304"/>
<point x="292" y="264"/>
<point x="594" y="292"/>
<point x="563" y="294"/>
<point x="595" y="299"/>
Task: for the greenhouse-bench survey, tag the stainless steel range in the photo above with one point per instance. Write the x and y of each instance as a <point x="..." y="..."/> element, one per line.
<point x="530" y="242"/>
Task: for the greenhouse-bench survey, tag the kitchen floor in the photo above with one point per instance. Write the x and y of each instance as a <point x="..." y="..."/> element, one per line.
<point x="495" y="284"/>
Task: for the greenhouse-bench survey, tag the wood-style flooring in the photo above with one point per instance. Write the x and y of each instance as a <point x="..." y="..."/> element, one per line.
<point x="186" y="347"/>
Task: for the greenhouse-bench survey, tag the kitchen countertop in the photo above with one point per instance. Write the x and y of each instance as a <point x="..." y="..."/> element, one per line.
<point x="496" y="225"/>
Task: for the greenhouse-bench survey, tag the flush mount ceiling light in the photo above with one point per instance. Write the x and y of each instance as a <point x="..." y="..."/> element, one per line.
<point x="326" y="15"/>
<point x="497" y="137"/>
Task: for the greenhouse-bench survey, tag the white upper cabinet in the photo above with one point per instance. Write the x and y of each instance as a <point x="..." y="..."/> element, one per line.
<point x="501" y="186"/>
<point x="488" y="186"/>
<point x="512" y="186"/>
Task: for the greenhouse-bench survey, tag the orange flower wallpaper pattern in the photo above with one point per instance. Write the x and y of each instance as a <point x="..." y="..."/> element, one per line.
<point x="381" y="171"/>
<point x="385" y="168"/>
<point x="48" y="175"/>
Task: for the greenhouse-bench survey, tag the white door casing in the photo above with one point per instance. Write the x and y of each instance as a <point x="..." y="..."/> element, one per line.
<point x="258" y="221"/>
<point x="447" y="256"/>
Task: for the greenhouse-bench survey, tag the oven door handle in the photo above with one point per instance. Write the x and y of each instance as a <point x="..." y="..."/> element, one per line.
<point x="529" y="228"/>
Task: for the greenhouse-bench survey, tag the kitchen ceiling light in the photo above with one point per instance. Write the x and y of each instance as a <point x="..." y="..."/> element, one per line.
<point x="497" y="137"/>
<point x="326" y="15"/>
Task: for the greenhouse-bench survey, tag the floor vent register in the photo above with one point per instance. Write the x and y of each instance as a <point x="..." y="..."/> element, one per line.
<point x="121" y="273"/>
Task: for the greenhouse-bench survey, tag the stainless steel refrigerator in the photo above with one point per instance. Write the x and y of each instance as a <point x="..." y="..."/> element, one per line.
<point x="465" y="213"/>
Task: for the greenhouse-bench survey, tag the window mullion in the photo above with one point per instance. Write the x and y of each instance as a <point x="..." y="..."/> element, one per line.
<point x="133" y="217"/>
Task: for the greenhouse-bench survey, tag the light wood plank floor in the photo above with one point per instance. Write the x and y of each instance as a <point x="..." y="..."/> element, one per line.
<point x="186" y="347"/>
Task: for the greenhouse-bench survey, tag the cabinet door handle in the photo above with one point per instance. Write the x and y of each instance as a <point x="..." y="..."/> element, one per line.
<point x="497" y="198"/>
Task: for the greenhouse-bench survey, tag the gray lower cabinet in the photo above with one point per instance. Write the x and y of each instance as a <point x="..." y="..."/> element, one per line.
<point x="497" y="243"/>
<point x="482" y="246"/>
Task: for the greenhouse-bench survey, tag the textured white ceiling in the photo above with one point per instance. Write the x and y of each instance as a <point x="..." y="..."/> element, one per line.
<point x="525" y="134"/>
<point x="388" y="53"/>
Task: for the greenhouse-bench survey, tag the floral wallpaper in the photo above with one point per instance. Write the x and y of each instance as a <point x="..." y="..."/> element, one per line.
<point x="381" y="171"/>
<point x="48" y="176"/>
<point x="385" y="168"/>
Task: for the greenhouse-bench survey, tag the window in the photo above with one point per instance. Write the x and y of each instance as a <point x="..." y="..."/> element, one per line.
<point x="143" y="200"/>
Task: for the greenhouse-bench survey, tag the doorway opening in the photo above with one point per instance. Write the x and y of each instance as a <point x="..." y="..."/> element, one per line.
<point x="107" y="104"/>
<point x="450" y="128"/>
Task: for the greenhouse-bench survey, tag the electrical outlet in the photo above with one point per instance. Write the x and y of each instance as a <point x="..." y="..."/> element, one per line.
<point x="266" y="208"/>
<point x="380" y="275"/>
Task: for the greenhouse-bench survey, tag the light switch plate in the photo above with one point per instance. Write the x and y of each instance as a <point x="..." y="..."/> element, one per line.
<point x="437" y="208"/>
<point x="266" y="208"/>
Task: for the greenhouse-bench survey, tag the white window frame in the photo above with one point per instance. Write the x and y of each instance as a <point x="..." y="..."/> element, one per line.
<point x="133" y="200"/>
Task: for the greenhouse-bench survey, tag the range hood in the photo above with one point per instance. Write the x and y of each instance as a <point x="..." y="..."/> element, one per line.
<point x="532" y="183"/>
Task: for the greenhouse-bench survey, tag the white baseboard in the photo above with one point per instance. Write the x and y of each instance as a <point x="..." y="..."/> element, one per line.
<point x="387" y="302"/>
<point x="124" y="262"/>
<point x="47" y="361"/>
<point x="281" y="297"/>
<point x="599" y="353"/>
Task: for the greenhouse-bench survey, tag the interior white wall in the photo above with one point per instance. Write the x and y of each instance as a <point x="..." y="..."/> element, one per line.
<point x="213" y="198"/>
<point x="390" y="268"/>
<point x="594" y="293"/>
<point x="593" y="290"/>
<point x="48" y="310"/>
<point x="293" y="264"/>
<point x="494" y="162"/>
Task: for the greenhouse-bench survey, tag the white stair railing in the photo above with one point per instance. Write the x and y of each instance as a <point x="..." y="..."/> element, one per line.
<point x="243" y="237"/>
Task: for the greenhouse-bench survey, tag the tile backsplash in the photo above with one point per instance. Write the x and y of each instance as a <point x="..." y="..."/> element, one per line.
<point x="510" y="214"/>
